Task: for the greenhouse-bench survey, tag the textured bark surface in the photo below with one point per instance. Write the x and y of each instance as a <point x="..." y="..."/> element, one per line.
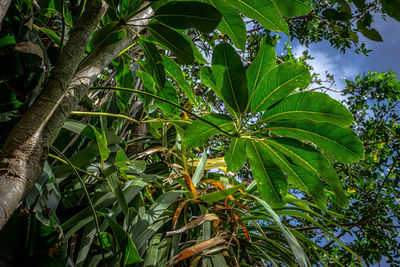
<point x="26" y="148"/>
<point x="24" y="152"/>
<point x="4" y="5"/>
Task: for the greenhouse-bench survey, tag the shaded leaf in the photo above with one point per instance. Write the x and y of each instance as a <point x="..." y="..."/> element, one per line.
<point x="231" y="23"/>
<point x="230" y="76"/>
<point x="271" y="182"/>
<point x="174" y="71"/>
<point x="179" y="46"/>
<point x="185" y="15"/>
<point x="154" y="60"/>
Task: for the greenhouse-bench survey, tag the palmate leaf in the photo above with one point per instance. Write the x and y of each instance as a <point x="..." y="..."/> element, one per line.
<point x="199" y="131"/>
<point x="297" y="176"/>
<point x="271" y="181"/>
<point x="230" y="76"/>
<point x="174" y="40"/>
<point x="185" y="15"/>
<point x="310" y="105"/>
<point x="231" y="24"/>
<point x="309" y="158"/>
<point x="236" y="155"/>
<point x="338" y="142"/>
<point x="265" y="12"/>
<point x="278" y="83"/>
<point x="264" y="62"/>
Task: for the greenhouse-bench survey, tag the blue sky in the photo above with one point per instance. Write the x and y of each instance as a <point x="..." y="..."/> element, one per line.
<point x="385" y="55"/>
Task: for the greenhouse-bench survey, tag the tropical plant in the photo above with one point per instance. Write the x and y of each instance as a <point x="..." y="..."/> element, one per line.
<point x="107" y="179"/>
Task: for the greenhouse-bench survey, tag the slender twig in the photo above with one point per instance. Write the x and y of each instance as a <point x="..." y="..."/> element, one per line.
<point x="86" y="194"/>
<point x="163" y="100"/>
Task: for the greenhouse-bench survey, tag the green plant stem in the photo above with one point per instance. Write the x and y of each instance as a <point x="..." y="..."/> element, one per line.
<point x="83" y="171"/>
<point x="86" y="194"/>
<point x="163" y="100"/>
<point x="105" y="114"/>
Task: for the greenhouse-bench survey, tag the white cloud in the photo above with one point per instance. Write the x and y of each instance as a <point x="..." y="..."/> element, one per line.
<point x="327" y="59"/>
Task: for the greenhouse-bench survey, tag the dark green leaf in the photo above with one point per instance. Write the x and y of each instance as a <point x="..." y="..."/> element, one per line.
<point x="154" y="60"/>
<point x="392" y="7"/>
<point x="185" y="15"/>
<point x="130" y="254"/>
<point x="309" y="158"/>
<point x="174" y="41"/>
<point x="230" y="76"/>
<point x="174" y="71"/>
<point x="372" y="34"/>
<point x="231" y="24"/>
<point x="271" y="181"/>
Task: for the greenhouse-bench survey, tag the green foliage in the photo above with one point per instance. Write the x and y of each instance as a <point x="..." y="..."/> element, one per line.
<point x="129" y="188"/>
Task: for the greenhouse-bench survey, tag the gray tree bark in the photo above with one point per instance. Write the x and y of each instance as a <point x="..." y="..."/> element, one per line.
<point x="4" y="5"/>
<point x="26" y="148"/>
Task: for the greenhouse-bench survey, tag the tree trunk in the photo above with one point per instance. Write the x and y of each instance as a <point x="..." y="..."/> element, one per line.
<point x="26" y="148"/>
<point x="4" y="5"/>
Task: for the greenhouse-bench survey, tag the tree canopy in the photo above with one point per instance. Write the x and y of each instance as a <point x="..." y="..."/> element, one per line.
<point x="144" y="133"/>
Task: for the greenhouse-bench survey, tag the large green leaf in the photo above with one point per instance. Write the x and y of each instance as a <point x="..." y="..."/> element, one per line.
<point x="271" y="182"/>
<point x="174" y="71"/>
<point x="392" y="7"/>
<point x="230" y="76"/>
<point x="130" y="254"/>
<point x="124" y="78"/>
<point x="265" y="12"/>
<point x="231" y="23"/>
<point x="154" y="60"/>
<point x="309" y="158"/>
<point x="279" y="83"/>
<point x="184" y="15"/>
<point x="264" y="62"/>
<point x="236" y="155"/>
<point x="293" y="244"/>
<point x="174" y="41"/>
<point x="115" y="186"/>
<point x="293" y="8"/>
<point x="310" y="105"/>
<point x="199" y="131"/>
<point x="338" y="142"/>
<point x="297" y="176"/>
